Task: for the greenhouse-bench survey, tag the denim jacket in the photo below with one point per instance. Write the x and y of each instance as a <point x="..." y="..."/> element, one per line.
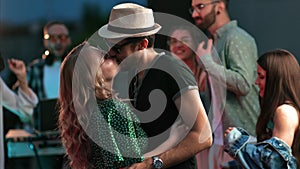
<point x="269" y="154"/>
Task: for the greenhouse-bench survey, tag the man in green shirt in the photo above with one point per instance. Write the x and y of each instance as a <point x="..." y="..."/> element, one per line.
<point x="238" y="53"/>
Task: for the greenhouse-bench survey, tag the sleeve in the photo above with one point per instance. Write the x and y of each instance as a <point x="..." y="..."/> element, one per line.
<point x="238" y="69"/>
<point x="182" y="76"/>
<point x="119" y="132"/>
<point x="264" y="155"/>
<point x="20" y="104"/>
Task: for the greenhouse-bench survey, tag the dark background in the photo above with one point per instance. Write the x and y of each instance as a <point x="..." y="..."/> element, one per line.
<point x="273" y="23"/>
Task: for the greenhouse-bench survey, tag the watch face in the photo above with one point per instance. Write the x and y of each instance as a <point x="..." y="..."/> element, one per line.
<point x="158" y="163"/>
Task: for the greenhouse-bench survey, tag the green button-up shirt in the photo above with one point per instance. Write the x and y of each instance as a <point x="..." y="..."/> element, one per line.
<point x="238" y="54"/>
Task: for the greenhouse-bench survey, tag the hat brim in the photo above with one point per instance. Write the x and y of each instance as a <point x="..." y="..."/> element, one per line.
<point x="105" y="33"/>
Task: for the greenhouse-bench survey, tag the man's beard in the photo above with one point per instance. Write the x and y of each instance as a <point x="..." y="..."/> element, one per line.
<point x="208" y="20"/>
<point x="49" y="60"/>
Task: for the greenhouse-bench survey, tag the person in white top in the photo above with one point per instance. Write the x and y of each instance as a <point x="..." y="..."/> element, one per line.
<point x="22" y="103"/>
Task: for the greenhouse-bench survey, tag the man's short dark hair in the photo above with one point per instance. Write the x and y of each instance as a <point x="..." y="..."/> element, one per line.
<point x="150" y="39"/>
<point x="51" y="23"/>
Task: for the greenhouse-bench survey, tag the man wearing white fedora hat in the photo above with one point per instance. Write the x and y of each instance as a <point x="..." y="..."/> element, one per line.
<point x="162" y="90"/>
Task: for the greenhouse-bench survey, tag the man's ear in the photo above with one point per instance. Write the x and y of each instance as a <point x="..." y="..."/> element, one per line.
<point x="144" y="43"/>
<point x="221" y="7"/>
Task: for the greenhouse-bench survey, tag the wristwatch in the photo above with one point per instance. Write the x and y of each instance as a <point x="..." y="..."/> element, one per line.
<point x="157" y="162"/>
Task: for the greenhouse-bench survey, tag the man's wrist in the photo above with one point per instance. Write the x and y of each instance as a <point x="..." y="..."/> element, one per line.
<point x="157" y="162"/>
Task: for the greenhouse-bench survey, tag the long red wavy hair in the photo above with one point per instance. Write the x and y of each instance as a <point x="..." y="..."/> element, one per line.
<point x="74" y="137"/>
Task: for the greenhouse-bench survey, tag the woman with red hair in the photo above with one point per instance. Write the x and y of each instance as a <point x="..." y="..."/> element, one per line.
<point x="97" y="130"/>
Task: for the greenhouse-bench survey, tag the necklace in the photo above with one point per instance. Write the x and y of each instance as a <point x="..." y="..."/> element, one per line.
<point x="140" y="76"/>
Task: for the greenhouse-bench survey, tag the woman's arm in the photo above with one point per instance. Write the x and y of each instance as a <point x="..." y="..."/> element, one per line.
<point x="22" y="103"/>
<point x="286" y="121"/>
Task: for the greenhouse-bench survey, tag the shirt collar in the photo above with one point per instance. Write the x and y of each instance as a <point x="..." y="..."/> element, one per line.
<point x="225" y="28"/>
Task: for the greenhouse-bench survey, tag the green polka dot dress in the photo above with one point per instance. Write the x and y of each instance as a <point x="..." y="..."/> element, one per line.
<point x="117" y="140"/>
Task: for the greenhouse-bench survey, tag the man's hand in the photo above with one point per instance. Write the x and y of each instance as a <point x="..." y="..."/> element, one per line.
<point x="201" y="51"/>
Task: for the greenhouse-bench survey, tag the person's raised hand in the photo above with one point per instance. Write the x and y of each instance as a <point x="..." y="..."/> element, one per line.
<point x="201" y="51"/>
<point x="18" y="68"/>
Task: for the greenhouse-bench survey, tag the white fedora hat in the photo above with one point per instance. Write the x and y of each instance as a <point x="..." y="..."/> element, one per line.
<point x="129" y="20"/>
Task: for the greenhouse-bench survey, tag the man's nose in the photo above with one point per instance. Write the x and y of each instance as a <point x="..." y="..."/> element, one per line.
<point x="58" y="42"/>
<point x="195" y="14"/>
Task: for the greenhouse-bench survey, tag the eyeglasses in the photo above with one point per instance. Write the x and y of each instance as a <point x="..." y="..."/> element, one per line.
<point x="115" y="47"/>
<point x="118" y="47"/>
<point x="54" y="38"/>
<point x="200" y="6"/>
